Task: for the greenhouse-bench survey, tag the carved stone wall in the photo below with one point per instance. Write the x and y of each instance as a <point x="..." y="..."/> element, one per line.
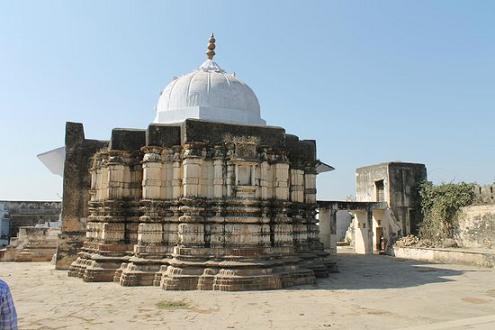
<point x="203" y="206"/>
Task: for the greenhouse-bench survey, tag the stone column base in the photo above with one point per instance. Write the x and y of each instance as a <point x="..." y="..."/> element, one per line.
<point x="139" y="272"/>
<point x="96" y="268"/>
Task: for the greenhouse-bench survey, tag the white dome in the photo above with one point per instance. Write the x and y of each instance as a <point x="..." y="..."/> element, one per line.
<point x="209" y="94"/>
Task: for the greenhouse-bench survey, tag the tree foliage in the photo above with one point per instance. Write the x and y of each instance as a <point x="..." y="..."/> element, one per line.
<point x="440" y="205"/>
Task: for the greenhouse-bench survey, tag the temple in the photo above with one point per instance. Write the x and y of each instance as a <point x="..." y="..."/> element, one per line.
<point x="207" y="197"/>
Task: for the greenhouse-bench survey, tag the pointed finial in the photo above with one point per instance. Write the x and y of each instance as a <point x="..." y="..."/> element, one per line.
<point x="211" y="47"/>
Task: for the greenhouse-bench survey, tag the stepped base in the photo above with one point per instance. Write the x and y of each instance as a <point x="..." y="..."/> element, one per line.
<point x="95" y="268"/>
<point x="234" y="275"/>
<point x="138" y="272"/>
<point x="240" y="272"/>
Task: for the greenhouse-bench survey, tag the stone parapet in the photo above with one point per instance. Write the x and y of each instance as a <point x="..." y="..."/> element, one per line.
<point x="473" y="257"/>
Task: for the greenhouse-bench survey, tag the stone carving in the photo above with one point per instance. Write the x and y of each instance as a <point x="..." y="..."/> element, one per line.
<point x="228" y="214"/>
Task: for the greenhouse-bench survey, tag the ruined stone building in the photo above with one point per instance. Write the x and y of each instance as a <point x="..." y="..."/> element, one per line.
<point x="4" y="226"/>
<point x="485" y="194"/>
<point x="207" y="197"/>
<point x="397" y="184"/>
<point x="477" y="221"/>
<point x="386" y="207"/>
<point x="32" y="243"/>
<point x="16" y="214"/>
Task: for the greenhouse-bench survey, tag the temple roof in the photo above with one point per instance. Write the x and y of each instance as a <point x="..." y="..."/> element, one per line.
<point x="209" y="93"/>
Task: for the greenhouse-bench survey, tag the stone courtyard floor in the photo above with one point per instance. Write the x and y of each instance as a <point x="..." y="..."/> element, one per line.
<point x="370" y="292"/>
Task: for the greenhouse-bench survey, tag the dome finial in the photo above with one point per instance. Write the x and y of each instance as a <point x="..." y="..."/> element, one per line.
<point x="211" y="47"/>
<point x="209" y="65"/>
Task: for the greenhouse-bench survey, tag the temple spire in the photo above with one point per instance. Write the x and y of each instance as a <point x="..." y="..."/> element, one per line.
<point x="211" y="47"/>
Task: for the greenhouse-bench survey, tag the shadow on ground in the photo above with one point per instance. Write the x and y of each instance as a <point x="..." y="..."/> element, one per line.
<point x="382" y="272"/>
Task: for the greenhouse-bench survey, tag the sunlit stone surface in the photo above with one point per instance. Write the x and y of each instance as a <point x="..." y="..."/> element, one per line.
<point x="221" y="203"/>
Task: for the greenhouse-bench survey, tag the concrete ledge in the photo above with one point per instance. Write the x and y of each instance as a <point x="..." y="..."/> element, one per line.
<point x="447" y="256"/>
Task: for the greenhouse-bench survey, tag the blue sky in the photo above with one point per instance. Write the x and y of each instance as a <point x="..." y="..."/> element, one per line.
<point x="371" y="81"/>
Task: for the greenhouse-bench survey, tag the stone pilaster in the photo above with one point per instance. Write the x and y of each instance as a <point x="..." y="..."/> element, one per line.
<point x="113" y="220"/>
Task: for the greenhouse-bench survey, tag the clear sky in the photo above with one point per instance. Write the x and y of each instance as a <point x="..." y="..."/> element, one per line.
<point x="371" y="81"/>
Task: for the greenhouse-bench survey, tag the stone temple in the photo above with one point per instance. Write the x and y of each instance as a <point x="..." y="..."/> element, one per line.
<point x="207" y="197"/>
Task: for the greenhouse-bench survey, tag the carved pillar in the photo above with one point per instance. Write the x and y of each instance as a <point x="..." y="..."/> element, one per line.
<point x="192" y="172"/>
<point x="150" y="230"/>
<point x="218" y="179"/>
<point x="191" y="228"/>
<point x="297" y="185"/>
<point x="176" y="174"/>
<point x="281" y="181"/>
<point x="310" y="200"/>
<point x="281" y="224"/>
<point x="152" y="173"/>
<point x="310" y="187"/>
<point x="266" y="178"/>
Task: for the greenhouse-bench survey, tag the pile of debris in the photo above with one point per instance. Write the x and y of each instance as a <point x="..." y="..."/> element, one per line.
<point x="409" y="240"/>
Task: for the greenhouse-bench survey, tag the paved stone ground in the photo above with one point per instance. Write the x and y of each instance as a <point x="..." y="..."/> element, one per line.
<point x="370" y="292"/>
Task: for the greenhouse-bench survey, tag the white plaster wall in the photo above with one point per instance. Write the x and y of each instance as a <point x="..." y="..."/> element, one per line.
<point x="344" y="219"/>
<point x="361" y="233"/>
<point x="365" y="182"/>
